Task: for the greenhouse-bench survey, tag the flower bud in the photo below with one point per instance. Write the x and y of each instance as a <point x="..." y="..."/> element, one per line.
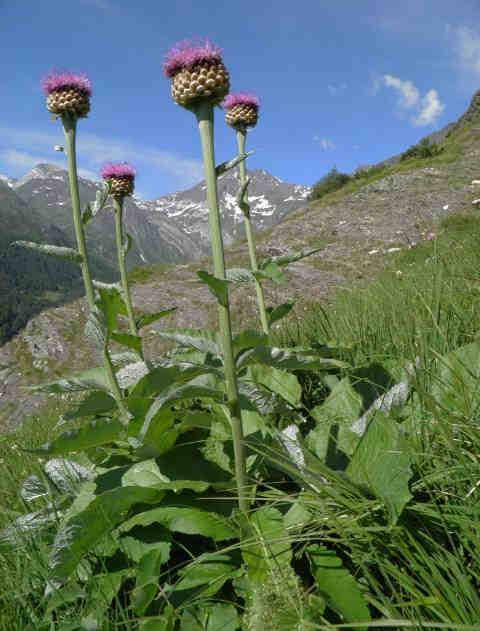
<point x="121" y="178"/>
<point x="241" y="110"/>
<point x="197" y="73"/>
<point x="67" y="93"/>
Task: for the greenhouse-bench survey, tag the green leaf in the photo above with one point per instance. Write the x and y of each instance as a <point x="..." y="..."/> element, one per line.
<point x="92" y="379"/>
<point x="222" y="168"/>
<point x="82" y="532"/>
<point x="96" y="403"/>
<point x="213" y="571"/>
<point x="96" y="329"/>
<point x="149" y="318"/>
<point x="200" y="340"/>
<point x="286" y="359"/>
<point x="286" y="259"/>
<point x="381" y="465"/>
<point x="240" y="275"/>
<point x="67" y="254"/>
<point x="218" y="286"/>
<point x="146" y="586"/>
<point x="93" y="434"/>
<point x="267" y="551"/>
<point x="271" y="271"/>
<point x="210" y="617"/>
<point x="127" y="245"/>
<point x="187" y="520"/>
<point x="277" y="313"/>
<point x="334" y="417"/>
<point x="279" y="381"/>
<point x="338" y="585"/>
<point x="111" y="304"/>
<point x="130" y="341"/>
<point x="249" y="338"/>
<point x="92" y="208"/>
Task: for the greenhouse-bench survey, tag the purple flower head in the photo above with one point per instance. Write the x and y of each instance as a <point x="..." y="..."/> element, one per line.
<point x="241" y="98"/>
<point x="187" y="53"/>
<point x="117" y="169"/>
<point x="58" y="80"/>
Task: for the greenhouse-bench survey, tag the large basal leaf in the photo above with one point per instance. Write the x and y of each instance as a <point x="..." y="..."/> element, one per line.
<point x="96" y="403"/>
<point x="83" y="531"/>
<point x="146" y="585"/>
<point x="287" y="360"/>
<point x="267" y="548"/>
<point x="67" y="475"/>
<point x="218" y="286"/>
<point x="146" y="319"/>
<point x="456" y="380"/>
<point x="277" y="313"/>
<point x="211" y="573"/>
<point x="188" y="520"/>
<point x="381" y="465"/>
<point x="281" y="382"/>
<point x="334" y="418"/>
<point x="93" y="434"/>
<point x="67" y="254"/>
<point x="200" y="340"/>
<point x="92" y="379"/>
<point x="338" y="585"/>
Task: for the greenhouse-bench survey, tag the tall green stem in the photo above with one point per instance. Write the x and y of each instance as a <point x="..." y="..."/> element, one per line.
<point x="241" y="139"/>
<point x="120" y="239"/>
<point x="204" y="113"/>
<point x="70" y="128"/>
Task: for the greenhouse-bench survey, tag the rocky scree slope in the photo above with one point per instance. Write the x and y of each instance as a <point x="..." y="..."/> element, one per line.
<point x="171" y="229"/>
<point x="359" y="228"/>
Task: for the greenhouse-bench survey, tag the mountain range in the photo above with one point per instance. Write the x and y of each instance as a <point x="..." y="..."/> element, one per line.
<point x="170" y="229"/>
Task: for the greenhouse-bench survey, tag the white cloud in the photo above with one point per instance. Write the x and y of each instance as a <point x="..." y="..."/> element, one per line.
<point x="25" y="161"/>
<point x="335" y="89"/>
<point x="408" y="92"/>
<point x="95" y="150"/>
<point x="466" y="47"/>
<point x="431" y="109"/>
<point x="325" y="143"/>
<point x="428" y="108"/>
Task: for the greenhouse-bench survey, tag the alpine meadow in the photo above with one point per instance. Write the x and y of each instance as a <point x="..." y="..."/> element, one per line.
<point x="250" y="405"/>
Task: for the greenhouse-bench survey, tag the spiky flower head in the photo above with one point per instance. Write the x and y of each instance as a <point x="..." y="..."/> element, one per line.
<point x="241" y="109"/>
<point x="67" y="93"/>
<point x="197" y="72"/>
<point x="121" y="177"/>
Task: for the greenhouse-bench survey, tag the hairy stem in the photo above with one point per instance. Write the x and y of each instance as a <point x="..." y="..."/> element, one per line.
<point x="204" y="113"/>
<point x="120" y="237"/>
<point x="241" y="139"/>
<point x="70" y="128"/>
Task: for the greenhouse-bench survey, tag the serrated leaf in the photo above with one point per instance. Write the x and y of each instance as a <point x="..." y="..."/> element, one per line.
<point x="149" y="318"/>
<point x="87" y="214"/>
<point x="80" y="533"/>
<point x="286" y="259"/>
<point x="286" y="359"/>
<point x="33" y="488"/>
<point x="111" y="305"/>
<point x="381" y="465"/>
<point x="277" y="313"/>
<point x="271" y="271"/>
<point x="67" y="475"/>
<point x="61" y="252"/>
<point x="127" y="245"/>
<point x="126" y="339"/>
<point x="93" y="434"/>
<point x="146" y="585"/>
<point x="210" y="573"/>
<point x="338" y="585"/>
<point x="96" y="329"/>
<point x="218" y="286"/>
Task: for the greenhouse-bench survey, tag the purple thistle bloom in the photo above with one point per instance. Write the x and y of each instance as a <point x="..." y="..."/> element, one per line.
<point x="117" y="169"/>
<point x="241" y="98"/>
<point x="187" y="53"/>
<point x="58" y="80"/>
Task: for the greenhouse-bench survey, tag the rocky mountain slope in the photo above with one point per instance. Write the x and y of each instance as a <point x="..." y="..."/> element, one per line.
<point x="170" y="229"/>
<point x="359" y="228"/>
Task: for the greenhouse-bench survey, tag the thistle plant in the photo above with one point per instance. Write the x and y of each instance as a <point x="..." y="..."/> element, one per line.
<point x="199" y="82"/>
<point x="68" y="98"/>
<point x="121" y="182"/>
<point x="241" y="112"/>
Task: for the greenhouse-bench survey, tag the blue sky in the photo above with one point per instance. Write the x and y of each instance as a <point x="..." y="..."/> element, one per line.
<point x="343" y="83"/>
